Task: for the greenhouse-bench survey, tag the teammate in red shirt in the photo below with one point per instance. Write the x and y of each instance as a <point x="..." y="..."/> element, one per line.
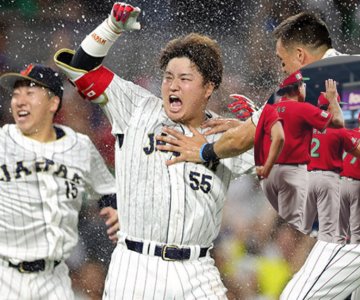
<point x="287" y="184"/>
<point x="269" y="141"/>
<point x="327" y="148"/>
<point x="349" y="222"/>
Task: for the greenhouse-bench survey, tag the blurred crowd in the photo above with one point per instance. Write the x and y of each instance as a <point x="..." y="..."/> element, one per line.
<point x="256" y="252"/>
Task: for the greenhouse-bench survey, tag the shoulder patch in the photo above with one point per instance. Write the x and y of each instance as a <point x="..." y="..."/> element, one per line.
<point x="324" y="114"/>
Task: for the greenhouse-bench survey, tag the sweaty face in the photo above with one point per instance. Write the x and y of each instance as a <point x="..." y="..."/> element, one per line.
<point x="184" y="93"/>
<point x="289" y="57"/>
<point x="33" y="110"/>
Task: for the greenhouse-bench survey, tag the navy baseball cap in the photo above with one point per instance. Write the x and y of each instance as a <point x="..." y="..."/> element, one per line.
<point x="39" y="74"/>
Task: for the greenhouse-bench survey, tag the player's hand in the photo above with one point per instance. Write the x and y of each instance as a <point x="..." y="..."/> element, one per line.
<point x="242" y="107"/>
<point x="263" y="171"/>
<point x="188" y="147"/>
<point x="219" y="125"/>
<point x="331" y="91"/>
<point x="123" y="17"/>
<point x="111" y="219"/>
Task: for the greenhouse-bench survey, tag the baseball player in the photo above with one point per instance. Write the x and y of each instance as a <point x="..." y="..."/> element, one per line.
<point x="269" y="141"/>
<point x="46" y="170"/>
<point x="300" y="40"/>
<point x="323" y="199"/>
<point x="286" y="187"/>
<point x="350" y="193"/>
<point x="269" y="135"/>
<point x="331" y="271"/>
<point x="169" y="215"/>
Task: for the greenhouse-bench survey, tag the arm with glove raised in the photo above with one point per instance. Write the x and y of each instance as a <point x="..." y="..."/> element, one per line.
<point x="84" y="66"/>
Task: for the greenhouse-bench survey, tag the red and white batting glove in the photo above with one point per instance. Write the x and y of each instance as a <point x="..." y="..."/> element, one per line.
<point x="242" y="107"/>
<point x="123" y="17"/>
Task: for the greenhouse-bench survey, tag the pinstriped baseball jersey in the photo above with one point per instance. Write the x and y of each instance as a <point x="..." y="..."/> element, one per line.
<point x="181" y="204"/>
<point x="41" y="190"/>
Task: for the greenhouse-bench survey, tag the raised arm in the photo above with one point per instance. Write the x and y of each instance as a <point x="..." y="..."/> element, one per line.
<point x="83" y="67"/>
<point x="96" y="45"/>
<point x="337" y="120"/>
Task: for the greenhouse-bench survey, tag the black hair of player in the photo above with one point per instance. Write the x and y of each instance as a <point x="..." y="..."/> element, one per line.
<point x="203" y="51"/>
<point x="305" y="28"/>
<point x="291" y="89"/>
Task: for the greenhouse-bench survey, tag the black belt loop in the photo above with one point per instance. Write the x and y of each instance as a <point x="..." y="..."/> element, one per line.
<point x="166" y="252"/>
<point x="32" y="266"/>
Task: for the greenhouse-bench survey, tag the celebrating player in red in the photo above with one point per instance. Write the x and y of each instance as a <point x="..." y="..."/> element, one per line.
<point x="349" y="223"/>
<point x="269" y="141"/>
<point x="286" y="187"/>
<point x="323" y="199"/>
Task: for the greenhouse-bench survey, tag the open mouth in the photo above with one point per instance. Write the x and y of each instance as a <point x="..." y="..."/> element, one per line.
<point x="175" y="103"/>
<point x="23" y="114"/>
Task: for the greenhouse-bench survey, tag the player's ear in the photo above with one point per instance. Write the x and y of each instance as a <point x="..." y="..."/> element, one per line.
<point x="210" y="87"/>
<point x="54" y="103"/>
<point x="300" y="55"/>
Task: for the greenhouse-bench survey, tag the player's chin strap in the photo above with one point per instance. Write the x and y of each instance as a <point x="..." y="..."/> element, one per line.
<point x="90" y="84"/>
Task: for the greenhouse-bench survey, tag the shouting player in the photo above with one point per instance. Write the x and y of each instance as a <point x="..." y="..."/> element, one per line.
<point x="170" y="216"/>
<point x="46" y="170"/>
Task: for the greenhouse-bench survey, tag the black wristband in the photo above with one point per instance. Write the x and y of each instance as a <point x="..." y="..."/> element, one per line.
<point x="207" y="153"/>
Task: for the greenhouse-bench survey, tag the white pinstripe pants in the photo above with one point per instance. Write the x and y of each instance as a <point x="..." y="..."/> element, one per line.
<point x="137" y="276"/>
<point x="331" y="271"/>
<point x="51" y="284"/>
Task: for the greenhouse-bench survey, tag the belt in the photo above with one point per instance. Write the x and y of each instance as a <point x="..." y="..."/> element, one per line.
<point x="291" y="164"/>
<point x="319" y="170"/>
<point x="166" y="252"/>
<point x="32" y="266"/>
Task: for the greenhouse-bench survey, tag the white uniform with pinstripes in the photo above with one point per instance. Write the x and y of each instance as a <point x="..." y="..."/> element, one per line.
<point x="41" y="190"/>
<point x="181" y="204"/>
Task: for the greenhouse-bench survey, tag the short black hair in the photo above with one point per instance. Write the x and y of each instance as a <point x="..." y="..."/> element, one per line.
<point x="305" y="28"/>
<point x="290" y="89"/>
<point x="203" y="51"/>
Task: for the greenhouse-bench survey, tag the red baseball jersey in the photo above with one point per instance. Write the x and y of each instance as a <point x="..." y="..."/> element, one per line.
<point x="299" y="119"/>
<point x="327" y="149"/>
<point x="268" y="118"/>
<point x="351" y="164"/>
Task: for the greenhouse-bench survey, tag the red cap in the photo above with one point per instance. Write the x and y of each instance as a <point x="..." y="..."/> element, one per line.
<point x="293" y="78"/>
<point x="322" y="100"/>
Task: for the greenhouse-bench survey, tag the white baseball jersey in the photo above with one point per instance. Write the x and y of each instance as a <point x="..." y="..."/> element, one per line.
<point x="42" y="186"/>
<point x="180" y="204"/>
